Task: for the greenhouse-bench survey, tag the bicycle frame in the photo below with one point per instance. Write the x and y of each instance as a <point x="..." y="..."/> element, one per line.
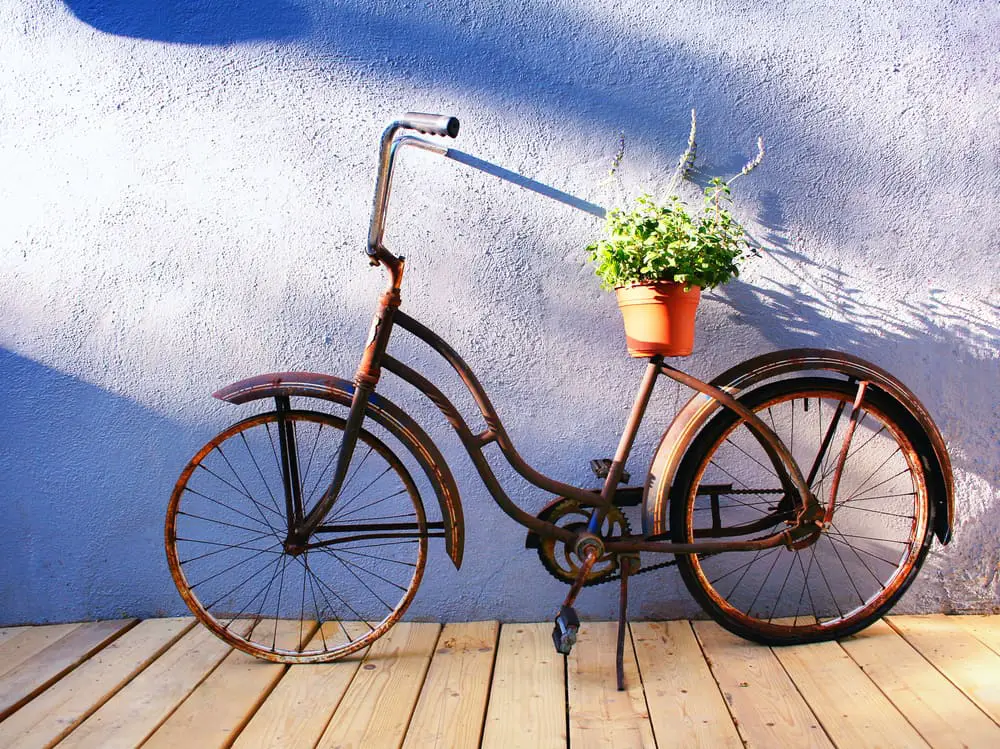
<point x="302" y="527"/>
<point x="375" y="359"/>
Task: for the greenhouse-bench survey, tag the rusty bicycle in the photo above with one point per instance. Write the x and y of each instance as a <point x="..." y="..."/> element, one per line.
<point x="798" y="493"/>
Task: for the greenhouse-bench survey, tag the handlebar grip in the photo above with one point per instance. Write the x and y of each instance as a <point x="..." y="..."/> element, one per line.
<point x="430" y="124"/>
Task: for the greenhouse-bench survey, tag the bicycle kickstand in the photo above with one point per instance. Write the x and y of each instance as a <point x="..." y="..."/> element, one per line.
<point x="628" y="563"/>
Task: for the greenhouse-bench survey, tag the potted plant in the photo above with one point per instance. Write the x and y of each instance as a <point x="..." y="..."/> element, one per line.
<point x="658" y="255"/>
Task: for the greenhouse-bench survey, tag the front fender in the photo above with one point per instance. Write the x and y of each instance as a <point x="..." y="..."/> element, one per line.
<point x="697" y="411"/>
<point x="382" y="411"/>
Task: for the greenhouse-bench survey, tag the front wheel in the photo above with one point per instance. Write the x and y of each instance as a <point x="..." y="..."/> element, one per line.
<point x="849" y="574"/>
<point x="227" y="529"/>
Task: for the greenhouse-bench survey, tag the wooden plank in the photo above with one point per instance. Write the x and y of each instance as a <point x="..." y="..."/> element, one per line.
<point x="221" y="706"/>
<point x="128" y="718"/>
<point x="600" y="715"/>
<point x="685" y="704"/>
<point x="376" y="709"/>
<point x="934" y="706"/>
<point x="7" y="632"/>
<point x="453" y="699"/>
<point x="29" y="642"/>
<point x="768" y="709"/>
<point x="528" y="699"/>
<point x="985" y="628"/>
<point x="968" y="663"/>
<point x="64" y="705"/>
<point x="296" y="713"/>
<point x="848" y="704"/>
<point x="20" y="684"/>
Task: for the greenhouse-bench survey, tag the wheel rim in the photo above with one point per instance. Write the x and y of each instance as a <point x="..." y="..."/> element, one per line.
<point x="226" y="527"/>
<point x="853" y="569"/>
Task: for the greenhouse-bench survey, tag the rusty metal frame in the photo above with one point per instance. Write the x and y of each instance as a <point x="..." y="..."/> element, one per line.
<point x="753" y="372"/>
<point x="375" y="359"/>
<point x="720" y="393"/>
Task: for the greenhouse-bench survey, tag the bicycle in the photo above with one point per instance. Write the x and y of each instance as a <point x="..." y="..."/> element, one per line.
<point x="803" y="537"/>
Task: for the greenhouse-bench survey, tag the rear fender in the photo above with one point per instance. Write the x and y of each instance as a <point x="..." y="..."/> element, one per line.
<point x="697" y="411"/>
<point x="383" y="412"/>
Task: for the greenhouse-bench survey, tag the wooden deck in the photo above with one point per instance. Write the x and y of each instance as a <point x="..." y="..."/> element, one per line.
<point x="907" y="682"/>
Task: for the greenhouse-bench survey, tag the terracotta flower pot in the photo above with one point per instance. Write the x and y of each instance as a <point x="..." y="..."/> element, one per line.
<point x="659" y="318"/>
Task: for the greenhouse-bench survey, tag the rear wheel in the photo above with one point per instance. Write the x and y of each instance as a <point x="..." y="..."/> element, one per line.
<point x="857" y="567"/>
<point x="226" y="530"/>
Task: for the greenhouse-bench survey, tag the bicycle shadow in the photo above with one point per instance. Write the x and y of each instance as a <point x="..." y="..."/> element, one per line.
<point x="87" y="530"/>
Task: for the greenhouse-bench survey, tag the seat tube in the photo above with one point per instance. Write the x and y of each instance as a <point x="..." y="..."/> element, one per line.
<point x="627" y="438"/>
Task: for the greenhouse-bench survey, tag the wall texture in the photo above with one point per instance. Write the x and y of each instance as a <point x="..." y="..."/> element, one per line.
<point x="184" y="189"/>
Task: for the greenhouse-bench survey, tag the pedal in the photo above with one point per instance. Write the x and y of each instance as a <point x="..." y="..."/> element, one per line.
<point x="565" y="631"/>
<point x="602" y="467"/>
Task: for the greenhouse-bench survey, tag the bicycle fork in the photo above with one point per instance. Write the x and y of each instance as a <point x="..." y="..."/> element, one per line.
<point x="365" y="380"/>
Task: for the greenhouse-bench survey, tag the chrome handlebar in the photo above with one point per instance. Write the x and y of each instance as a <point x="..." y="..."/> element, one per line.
<point x="433" y="124"/>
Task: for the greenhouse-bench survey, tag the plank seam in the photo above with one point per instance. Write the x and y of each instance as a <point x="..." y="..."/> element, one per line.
<point x="489" y="689"/>
<point x="642" y="684"/>
<point x="267" y="692"/>
<point x="884" y="693"/>
<point x="105" y="698"/>
<point x="980" y="639"/>
<point x="805" y="702"/>
<point x="333" y="708"/>
<point x="565" y="659"/>
<point x="947" y="678"/>
<point x="887" y="697"/>
<point x="423" y="680"/>
<point x="708" y="662"/>
<point x="84" y="657"/>
<point x="177" y="707"/>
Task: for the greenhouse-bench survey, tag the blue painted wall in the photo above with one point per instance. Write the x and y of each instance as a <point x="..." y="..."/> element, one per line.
<point x="185" y="189"/>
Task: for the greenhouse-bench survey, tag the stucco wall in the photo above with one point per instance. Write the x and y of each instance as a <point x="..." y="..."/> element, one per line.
<point x="185" y="186"/>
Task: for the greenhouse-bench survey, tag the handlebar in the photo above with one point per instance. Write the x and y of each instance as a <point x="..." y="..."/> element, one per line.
<point x="431" y="124"/>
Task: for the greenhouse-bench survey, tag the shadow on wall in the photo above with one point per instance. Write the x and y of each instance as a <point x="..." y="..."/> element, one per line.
<point x="87" y="529"/>
<point x="195" y="21"/>
<point x="545" y="58"/>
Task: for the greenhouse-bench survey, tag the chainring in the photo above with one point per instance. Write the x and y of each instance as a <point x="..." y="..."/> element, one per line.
<point x="560" y="561"/>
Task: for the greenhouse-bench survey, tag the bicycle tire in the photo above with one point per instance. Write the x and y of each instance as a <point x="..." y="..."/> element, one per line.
<point x="227" y="513"/>
<point x="881" y="538"/>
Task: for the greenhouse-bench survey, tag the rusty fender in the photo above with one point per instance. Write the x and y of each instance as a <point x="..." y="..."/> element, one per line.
<point x="383" y="412"/>
<point x="697" y="411"/>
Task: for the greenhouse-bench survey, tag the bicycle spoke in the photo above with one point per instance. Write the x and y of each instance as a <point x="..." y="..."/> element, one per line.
<point x="781" y="590"/>
<point x="323" y="585"/>
<point x="228" y="507"/>
<point x="847" y="572"/>
<point x="260" y="473"/>
<point x="223" y="522"/>
<point x="312" y="454"/>
<point x="359" y="579"/>
<point x="231" y="567"/>
<point x="764" y="583"/>
<point x="241" y="584"/>
<point x="865" y="551"/>
<point x="864" y="484"/>
<point x="347" y="504"/>
<point x="372" y="556"/>
<point x="871" y="572"/>
<point x="225" y="547"/>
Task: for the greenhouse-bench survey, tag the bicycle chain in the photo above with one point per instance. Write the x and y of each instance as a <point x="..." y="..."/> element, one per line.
<point x="618" y="575"/>
<point x="659" y="566"/>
